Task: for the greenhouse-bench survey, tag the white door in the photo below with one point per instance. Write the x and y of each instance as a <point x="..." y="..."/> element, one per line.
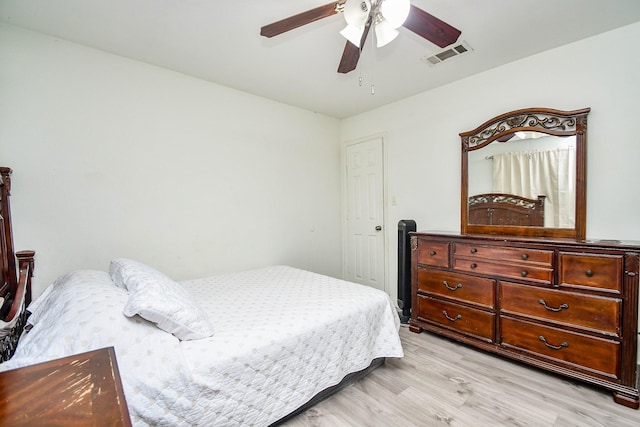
<point x="365" y="214"/>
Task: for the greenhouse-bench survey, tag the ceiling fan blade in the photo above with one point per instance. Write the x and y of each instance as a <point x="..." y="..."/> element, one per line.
<point x="351" y="53"/>
<point x="431" y="28"/>
<point x="301" y="19"/>
<point x="350" y="57"/>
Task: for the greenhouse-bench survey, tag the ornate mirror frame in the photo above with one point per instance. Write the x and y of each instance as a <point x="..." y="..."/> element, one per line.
<point x="545" y="120"/>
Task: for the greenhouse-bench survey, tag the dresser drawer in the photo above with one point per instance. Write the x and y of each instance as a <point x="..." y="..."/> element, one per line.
<point x="433" y="253"/>
<point x="504" y="254"/>
<point x="582" y="270"/>
<point x="597" y="354"/>
<point x="461" y="287"/>
<point x="463" y="319"/>
<point x="567" y="308"/>
<point x="497" y="268"/>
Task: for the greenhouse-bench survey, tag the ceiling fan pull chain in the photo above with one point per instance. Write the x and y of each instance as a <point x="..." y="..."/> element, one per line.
<point x="360" y="68"/>
<point x="372" y="66"/>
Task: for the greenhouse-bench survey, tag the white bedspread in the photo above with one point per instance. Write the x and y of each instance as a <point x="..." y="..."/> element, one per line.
<point x="282" y="335"/>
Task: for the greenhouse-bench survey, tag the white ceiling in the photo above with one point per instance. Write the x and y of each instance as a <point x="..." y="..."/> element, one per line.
<point x="220" y="41"/>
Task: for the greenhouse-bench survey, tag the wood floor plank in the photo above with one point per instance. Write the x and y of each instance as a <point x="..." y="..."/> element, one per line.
<point x="440" y="382"/>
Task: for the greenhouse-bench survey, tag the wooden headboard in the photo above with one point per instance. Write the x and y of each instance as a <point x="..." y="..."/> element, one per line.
<point x="17" y="269"/>
<point x="506" y="209"/>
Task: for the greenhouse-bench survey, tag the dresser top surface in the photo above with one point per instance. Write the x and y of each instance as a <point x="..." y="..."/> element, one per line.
<point x="633" y="245"/>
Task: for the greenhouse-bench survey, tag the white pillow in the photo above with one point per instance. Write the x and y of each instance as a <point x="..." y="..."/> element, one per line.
<point x="123" y="270"/>
<point x="158" y="299"/>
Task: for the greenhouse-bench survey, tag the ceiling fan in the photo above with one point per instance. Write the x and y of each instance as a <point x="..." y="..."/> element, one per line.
<point x="361" y="16"/>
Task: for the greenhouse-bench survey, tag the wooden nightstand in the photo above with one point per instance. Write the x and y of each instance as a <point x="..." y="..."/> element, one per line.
<point x="79" y="390"/>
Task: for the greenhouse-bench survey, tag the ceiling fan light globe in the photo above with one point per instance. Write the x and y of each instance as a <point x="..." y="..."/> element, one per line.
<point x="395" y="12"/>
<point x="385" y="33"/>
<point x="353" y="34"/>
<point x="356" y="12"/>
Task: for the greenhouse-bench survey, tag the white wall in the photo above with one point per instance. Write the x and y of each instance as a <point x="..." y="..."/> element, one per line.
<point x="117" y="158"/>
<point x="113" y="157"/>
<point x="423" y="146"/>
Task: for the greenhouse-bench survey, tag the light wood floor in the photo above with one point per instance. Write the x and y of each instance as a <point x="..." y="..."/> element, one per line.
<point x="440" y="382"/>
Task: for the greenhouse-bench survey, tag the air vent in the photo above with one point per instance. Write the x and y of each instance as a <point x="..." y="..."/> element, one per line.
<point x="451" y="52"/>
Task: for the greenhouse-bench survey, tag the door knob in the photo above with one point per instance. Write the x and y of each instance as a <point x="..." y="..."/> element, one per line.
<point x="378" y="227"/>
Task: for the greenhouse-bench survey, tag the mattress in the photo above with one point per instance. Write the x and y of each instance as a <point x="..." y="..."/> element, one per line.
<point x="281" y="336"/>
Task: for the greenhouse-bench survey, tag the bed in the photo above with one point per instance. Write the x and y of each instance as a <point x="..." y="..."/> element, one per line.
<point x="506" y="209"/>
<point x="17" y="270"/>
<point x="246" y="348"/>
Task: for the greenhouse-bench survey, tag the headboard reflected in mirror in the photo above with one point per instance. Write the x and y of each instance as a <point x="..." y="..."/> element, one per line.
<point x="524" y="174"/>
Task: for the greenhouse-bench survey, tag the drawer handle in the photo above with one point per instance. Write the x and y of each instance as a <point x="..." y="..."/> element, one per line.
<point x="455" y="288"/>
<point x="524" y="257"/>
<point x="524" y="273"/>
<point x="544" y="304"/>
<point x="473" y="250"/>
<point x="453" y="319"/>
<point x="589" y="273"/>
<point x="432" y="253"/>
<point x="473" y="265"/>
<point x="562" y="345"/>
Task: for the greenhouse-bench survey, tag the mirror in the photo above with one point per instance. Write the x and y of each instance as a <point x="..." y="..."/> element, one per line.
<point x="524" y="174"/>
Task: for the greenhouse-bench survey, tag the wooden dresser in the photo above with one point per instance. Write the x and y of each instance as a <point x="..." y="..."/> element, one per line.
<point x="79" y="390"/>
<point x="570" y="307"/>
